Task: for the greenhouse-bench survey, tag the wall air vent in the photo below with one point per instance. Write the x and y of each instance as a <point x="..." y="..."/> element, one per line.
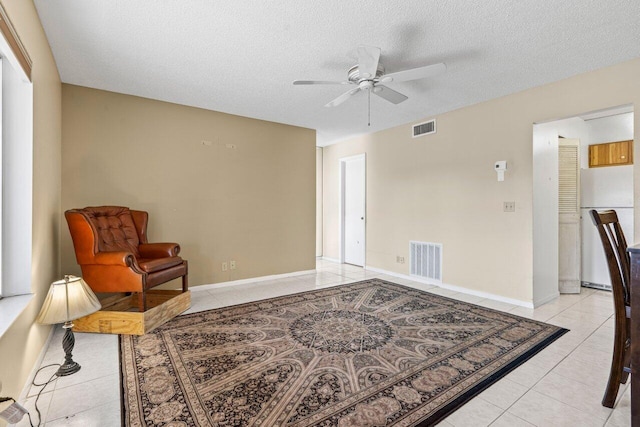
<point x="426" y="260"/>
<point x="426" y="128"/>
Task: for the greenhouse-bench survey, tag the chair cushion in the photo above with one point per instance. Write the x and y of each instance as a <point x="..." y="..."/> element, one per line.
<point x="157" y="264"/>
<point x="115" y="227"/>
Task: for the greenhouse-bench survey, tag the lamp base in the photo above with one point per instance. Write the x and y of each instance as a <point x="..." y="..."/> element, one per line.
<point x="68" y="369"/>
<point x="69" y="366"/>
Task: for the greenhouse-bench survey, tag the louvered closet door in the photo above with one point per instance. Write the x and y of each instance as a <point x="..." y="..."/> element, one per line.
<point x="569" y="215"/>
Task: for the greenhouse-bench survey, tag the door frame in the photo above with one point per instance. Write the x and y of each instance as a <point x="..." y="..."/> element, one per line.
<point x="341" y="205"/>
<point x="545" y="218"/>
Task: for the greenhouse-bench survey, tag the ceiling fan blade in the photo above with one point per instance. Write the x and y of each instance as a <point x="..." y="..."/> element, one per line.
<point x="389" y="94"/>
<point x="339" y="100"/>
<point x="318" y="82"/>
<point x="414" y="73"/>
<point x="368" y="57"/>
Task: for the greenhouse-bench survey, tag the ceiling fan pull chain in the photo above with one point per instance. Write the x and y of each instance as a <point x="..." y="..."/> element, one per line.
<point x="369" y="116"/>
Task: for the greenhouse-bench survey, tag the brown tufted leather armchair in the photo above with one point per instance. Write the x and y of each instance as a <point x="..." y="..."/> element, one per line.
<point x="112" y="250"/>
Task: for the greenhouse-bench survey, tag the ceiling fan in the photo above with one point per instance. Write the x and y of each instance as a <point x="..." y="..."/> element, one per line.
<point x="369" y="75"/>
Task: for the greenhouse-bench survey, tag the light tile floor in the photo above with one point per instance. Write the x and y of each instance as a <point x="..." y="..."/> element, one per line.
<point x="561" y="386"/>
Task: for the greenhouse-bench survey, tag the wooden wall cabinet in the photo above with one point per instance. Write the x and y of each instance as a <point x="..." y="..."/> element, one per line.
<point x="611" y="154"/>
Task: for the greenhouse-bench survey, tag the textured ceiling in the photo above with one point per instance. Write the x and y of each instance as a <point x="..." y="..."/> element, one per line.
<point x="241" y="56"/>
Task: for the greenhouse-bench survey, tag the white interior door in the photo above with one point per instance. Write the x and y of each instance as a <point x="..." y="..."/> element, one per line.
<point x="354" y="190"/>
<point x="569" y="216"/>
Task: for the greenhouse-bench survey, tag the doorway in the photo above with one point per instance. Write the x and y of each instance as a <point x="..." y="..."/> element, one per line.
<point x="353" y="209"/>
<point x="555" y="245"/>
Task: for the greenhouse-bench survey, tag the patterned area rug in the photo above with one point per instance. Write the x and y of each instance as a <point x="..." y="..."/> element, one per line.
<point x="372" y="353"/>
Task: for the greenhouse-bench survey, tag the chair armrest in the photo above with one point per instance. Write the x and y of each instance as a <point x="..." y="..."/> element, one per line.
<point x="122" y="258"/>
<point x="158" y="250"/>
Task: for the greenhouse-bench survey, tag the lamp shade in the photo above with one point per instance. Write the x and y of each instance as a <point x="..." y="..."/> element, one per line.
<point x="68" y="299"/>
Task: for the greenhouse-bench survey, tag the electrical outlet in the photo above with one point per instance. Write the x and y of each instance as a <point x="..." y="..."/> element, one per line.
<point x="509" y="206"/>
<point x="232" y="265"/>
<point x="400" y="259"/>
<point x="225" y="266"/>
<point x="230" y="146"/>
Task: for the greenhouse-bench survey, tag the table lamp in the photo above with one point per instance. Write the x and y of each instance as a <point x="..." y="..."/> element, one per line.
<point x="68" y="299"/>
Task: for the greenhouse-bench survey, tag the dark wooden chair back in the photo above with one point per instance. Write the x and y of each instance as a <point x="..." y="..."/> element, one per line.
<point x="615" y="249"/>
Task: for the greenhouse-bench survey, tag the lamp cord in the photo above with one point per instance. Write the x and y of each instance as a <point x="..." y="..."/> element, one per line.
<point x="43" y="385"/>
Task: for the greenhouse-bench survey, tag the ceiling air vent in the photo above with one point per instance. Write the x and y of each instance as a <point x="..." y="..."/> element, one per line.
<point x="425" y="128"/>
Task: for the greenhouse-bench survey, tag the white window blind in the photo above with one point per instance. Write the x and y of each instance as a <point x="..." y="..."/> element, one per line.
<point x="16" y="173"/>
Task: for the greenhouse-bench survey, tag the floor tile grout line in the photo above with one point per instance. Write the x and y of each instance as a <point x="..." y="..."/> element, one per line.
<point x="80" y="412"/>
<point x="556" y="365"/>
<point x="43" y="414"/>
<point x="87" y="381"/>
<point x="545" y="395"/>
<point x="551" y="370"/>
<point x="513" y="415"/>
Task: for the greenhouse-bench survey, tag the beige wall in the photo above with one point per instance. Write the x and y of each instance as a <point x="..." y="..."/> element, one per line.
<point x="253" y="203"/>
<point x="20" y="346"/>
<point x="319" y="201"/>
<point x="442" y="188"/>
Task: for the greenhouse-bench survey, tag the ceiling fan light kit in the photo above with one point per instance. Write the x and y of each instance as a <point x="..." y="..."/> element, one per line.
<point x="369" y="74"/>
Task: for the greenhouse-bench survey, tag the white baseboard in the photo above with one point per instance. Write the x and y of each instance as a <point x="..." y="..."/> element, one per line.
<point x="455" y="288"/>
<point x="250" y="280"/>
<point x="324" y="258"/>
<point x="401" y="276"/>
<point x="460" y="289"/>
<point x="36" y="365"/>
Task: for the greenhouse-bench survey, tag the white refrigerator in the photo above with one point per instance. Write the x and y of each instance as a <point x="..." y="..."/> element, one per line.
<point x="602" y="189"/>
